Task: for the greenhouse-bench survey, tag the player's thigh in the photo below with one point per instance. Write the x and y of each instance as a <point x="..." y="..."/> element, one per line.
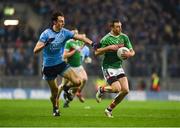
<point x="71" y="75"/>
<point x="116" y="86"/>
<point x="52" y="84"/>
<point x="124" y="84"/>
<point x="64" y="81"/>
<point x="82" y="73"/>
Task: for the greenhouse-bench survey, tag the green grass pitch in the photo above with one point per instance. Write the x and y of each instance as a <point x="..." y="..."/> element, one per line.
<point x="90" y="114"/>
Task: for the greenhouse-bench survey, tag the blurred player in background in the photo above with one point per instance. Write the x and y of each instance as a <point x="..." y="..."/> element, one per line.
<point x="75" y="52"/>
<point x="155" y="82"/>
<point x="52" y="42"/>
<point x="112" y="65"/>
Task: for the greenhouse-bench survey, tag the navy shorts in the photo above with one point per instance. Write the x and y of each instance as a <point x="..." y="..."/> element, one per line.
<point x="51" y="72"/>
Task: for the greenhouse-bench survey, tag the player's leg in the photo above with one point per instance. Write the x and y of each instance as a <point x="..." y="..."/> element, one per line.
<point x="68" y="97"/>
<point x="84" y="77"/>
<point x="111" y="79"/>
<point x="115" y="87"/>
<point x="124" y="89"/>
<point x="82" y="73"/>
<point x="50" y="75"/>
<point x="77" y="90"/>
<point x="61" y="86"/>
<point x="72" y="76"/>
<point x="75" y="82"/>
<point x="54" y="96"/>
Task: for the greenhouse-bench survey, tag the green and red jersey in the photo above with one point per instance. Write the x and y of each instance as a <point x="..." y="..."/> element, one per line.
<point x="111" y="60"/>
<point x="76" y="59"/>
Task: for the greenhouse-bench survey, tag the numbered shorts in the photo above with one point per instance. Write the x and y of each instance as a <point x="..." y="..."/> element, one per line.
<point x="51" y="72"/>
<point x="111" y="75"/>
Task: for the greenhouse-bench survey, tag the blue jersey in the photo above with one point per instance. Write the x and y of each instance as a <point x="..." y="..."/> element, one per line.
<point x="53" y="53"/>
<point x="85" y="52"/>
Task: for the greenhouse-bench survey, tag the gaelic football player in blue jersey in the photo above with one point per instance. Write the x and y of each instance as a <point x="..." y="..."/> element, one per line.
<point x="52" y="42"/>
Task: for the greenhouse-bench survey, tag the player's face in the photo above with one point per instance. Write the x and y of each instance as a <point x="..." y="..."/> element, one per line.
<point x="60" y="22"/>
<point x="117" y="28"/>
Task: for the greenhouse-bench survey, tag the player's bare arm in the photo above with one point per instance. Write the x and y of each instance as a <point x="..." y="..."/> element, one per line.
<point x="83" y="38"/>
<point x="39" y="46"/>
<point x="68" y="54"/>
<point x="101" y="51"/>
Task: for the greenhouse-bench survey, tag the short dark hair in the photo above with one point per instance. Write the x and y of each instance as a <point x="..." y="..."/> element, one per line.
<point x="55" y="15"/>
<point x="111" y="23"/>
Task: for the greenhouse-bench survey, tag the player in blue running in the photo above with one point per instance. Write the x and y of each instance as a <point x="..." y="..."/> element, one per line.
<point x="52" y="42"/>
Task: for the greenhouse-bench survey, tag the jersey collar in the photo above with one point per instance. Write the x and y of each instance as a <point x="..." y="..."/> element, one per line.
<point x="113" y="35"/>
<point x="55" y="31"/>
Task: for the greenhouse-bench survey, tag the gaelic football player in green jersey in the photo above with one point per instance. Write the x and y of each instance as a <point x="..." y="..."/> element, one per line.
<point x="112" y="65"/>
<point x="73" y="55"/>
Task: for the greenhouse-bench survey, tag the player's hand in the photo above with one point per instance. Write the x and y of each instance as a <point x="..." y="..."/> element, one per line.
<point x="120" y="45"/>
<point x="95" y="45"/>
<point x="113" y="47"/>
<point x="126" y="55"/>
<point x="77" y="48"/>
<point x="49" y="41"/>
<point x="88" y="60"/>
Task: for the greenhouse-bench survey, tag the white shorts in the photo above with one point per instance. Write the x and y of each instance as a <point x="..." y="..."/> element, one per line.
<point x="111" y="75"/>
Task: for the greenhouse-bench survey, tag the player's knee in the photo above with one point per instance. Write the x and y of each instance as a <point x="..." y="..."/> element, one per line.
<point x="84" y="80"/>
<point x="118" y="90"/>
<point x="78" y="82"/>
<point x="125" y="91"/>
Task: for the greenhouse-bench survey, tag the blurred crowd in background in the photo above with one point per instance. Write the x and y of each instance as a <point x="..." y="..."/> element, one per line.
<point x="152" y="26"/>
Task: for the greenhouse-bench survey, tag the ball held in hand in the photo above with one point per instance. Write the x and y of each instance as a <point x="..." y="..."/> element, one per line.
<point x="122" y="50"/>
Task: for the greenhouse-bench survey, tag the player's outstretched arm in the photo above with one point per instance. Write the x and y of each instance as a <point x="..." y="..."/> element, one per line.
<point x="83" y="38"/>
